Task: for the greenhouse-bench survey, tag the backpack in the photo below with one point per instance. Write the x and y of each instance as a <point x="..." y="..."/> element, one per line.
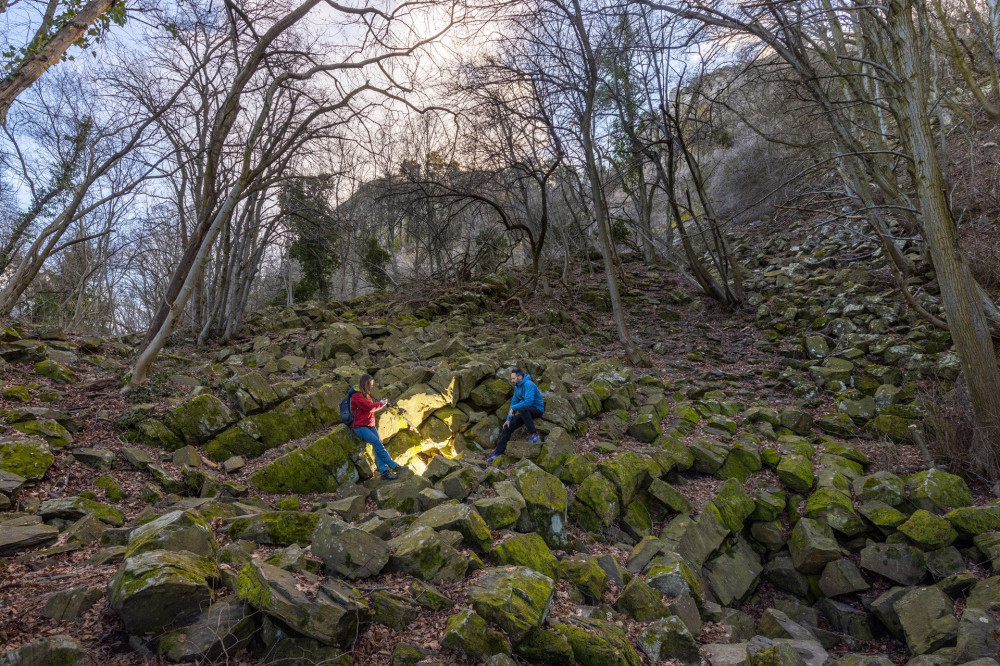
<point x="346" y="415"/>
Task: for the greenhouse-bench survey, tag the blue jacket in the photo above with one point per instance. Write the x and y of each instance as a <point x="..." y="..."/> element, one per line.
<point x="526" y="394"/>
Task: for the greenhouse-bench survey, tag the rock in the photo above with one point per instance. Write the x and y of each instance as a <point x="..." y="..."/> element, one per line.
<point x="708" y="456"/>
<point x="882" y="487"/>
<point x="276" y="528"/>
<point x="393" y="611"/>
<point x="796" y="472"/>
<point x="925" y="615"/>
<point x="58" y="650"/>
<point x="796" y="420"/>
<point x="460" y="518"/>
<point x="545" y="503"/>
<point x="985" y="595"/>
<point x="199" y="419"/>
<point x="421" y="553"/>
<point x="646" y="425"/>
<point x="468" y="633"/>
<point x="319" y="467"/>
<point x="895" y="428"/>
<point x="233" y="464"/>
<point x="586" y="575"/>
<point x="516" y="599"/>
<point x="726" y="654"/>
<point x="928" y="531"/>
<point x="901" y="563"/>
<point x="420" y="401"/>
<point x="702" y="536"/>
<point x="836" y="510"/>
<point x="96" y="458"/>
<point x="347" y="551"/>
<point x="16" y="394"/>
<point x="776" y="624"/>
<point x="883" y="609"/>
<point x="429" y="597"/>
<point x="732" y="575"/>
<point x="175" y="531"/>
<point x="498" y="512"/>
<point x="334" y="616"/>
<point x="51" y="431"/>
<point x="978" y="635"/>
<point x="527" y="550"/>
<point x="847" y="619"/>
<point x="546" y="647"/>
<point x="159" y="589"/>
<point x="224" y="629"/>
<point x="975" y="520"/>
<point x="669" y="638"/>
<point x="78" y="507"/>
<point x="776" y="653"/>
<point x="734" y="505"/>
<point x="841" y="577"/>
<point x="673" y="576"/>
<point x="812" y="545"/>
<point x="57" y="372"/>
<point x="19" y="537"/>
<point x="26" y="458"/>
<point x="252" y="392"/>
<point x="71" y="603"/>
<point x="641" y="602"/>
<point x="598" y="642"/>
<point x="596" y="504"/>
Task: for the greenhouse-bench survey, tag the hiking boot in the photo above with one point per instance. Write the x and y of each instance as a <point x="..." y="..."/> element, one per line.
<point x="389" y="475"/>
<point x="533" y="438"/>
<point x="399" y="469"/>
<point x="493" y="456"/>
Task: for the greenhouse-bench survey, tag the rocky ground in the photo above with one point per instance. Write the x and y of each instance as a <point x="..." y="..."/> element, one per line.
<point x="754" y="497"/>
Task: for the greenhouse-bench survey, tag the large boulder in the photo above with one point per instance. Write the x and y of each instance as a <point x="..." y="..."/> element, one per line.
<point x="527" y="550"/>
<point x="596" y="504"/>
<point x="545" y="501"/>
<point x="669" y="638"/>
<point x="73" y="508"/>
<point x="926" y="616"/>
<point x="598" y="642"/>
<point x="938" y="491"/>
<point x="159" y="589"/>
<point x="460" y="518"/>
<point x="516" y="599"/>
<point x="899" y="562"/>
<point x="421" y="553"/>
<point x="468" y="633"/>
<point x="319" y="467"/>
<point x="276" y="528"/>
<point x="420" y="401"/>
<point x="61" y="650"/>
<point x="629" y="473"/>
<point x="224" y="629"/>
<point x="174" y="531"/>
<point x="20" y="537"/>
<point x="333" y="615"/>
<point x="812" y="545"/>
<point x="199" y="419"/>
<point x="348" y="551"/>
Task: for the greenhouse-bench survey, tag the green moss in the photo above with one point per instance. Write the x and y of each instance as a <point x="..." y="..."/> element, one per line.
<point x="796" y="472"/>
<point x="975" y="519"/>
<point x="527" y="550"/>
<point x="25" y="458"/>
<point x="320" y="467"/>
<point x="16" y="394"/>
<point x="288" y="504"/>
<point x="279" y="528"/>
<point x="57" y="372"/>
<point x="111" y="489"/>
<point x="734" y="505"/>
<point x="928" y="530"/>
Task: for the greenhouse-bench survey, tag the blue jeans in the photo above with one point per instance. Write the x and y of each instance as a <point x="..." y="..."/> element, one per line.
<point x="382" y="458"/>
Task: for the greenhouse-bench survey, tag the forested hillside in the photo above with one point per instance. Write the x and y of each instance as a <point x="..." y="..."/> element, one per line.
<point x="734" y="267"/>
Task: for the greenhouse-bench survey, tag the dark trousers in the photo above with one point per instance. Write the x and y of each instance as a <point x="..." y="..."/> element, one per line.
<point x="522" y="417"/>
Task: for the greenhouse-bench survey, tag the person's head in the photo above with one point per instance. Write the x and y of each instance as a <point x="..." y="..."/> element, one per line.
<point x="366" y="384"/>
<point x="516" y="375"/>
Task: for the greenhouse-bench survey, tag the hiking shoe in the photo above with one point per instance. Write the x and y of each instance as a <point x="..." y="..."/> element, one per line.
<point x="533" y="438"/>
<point x="493" y="456"/>
<point x="401" y="468"/>
<point x="389" y="475"/>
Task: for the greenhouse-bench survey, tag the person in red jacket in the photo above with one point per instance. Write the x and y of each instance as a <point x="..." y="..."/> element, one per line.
<point x="363" y="407"/>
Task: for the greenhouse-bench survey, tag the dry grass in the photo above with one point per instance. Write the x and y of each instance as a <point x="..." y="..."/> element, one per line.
<point x="956" y="441"/>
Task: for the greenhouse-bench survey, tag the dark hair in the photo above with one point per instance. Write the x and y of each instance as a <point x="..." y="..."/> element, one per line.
<point x="365" y="381"/>
<point x="517" y="371"/>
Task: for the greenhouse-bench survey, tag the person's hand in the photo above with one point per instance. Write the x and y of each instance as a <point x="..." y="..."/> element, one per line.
<point x="510" y="415"/>
<point x="506" y="424"/>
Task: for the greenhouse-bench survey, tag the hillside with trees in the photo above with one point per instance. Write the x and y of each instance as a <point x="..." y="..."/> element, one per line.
<point x="746" y="252"/>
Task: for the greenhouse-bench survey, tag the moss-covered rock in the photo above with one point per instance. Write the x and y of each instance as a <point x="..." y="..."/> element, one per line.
<point x="975" y="520"/>
<point x="277" y="528"/>
<point x="938" y="491"/>
<point x="225" y="628"/>
<point x="669" y="638"/>
<point x="60" y="650"/>
<point x="597" y="642"/>
<point x="596" y="504"/>
<point x="796" y="472"/>
<point x="527" y="550"/>
<point x="319" y="467"/>
<point x="468" y="633"/>
<point x="516" y="599"/>
<point x="545" y="501"/>
<point x="629" y="474"/>
<point x="836" y="510"/>
<point x="26" y="458"/>
<point x="928" y="531"/>
<point x="586" y="575"/>
<point x="734" y="505"/>
<point x="460" y="518"/>
<point x="421" y="553"/>
<point x="641" y="602"/>
<point x="498" y="512"/>
<point x="895" y="428"/>
<point x="175" y="531"/>
<point x="78" y="507"/>
<point x="333" y="616"/>
<point x="812" y="545"/>
<point x="883" y="487"/>
<point x="544" y="646"/>
<point x="159" y="589"/>
<point x="16" y="394"/>
<point x="57" y="372"/>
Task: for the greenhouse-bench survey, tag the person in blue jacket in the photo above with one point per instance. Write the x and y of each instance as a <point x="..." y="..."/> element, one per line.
<point x="526" y="405"/>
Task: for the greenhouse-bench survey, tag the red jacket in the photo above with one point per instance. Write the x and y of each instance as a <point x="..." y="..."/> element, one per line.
<point x="363" y="409"/>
